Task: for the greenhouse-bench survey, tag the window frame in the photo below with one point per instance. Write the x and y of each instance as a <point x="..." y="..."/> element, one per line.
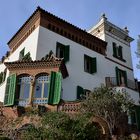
<point x="118" y="52"/>
<point x="42" y="86"/>
<point x="66" y="51"/>
<point x="90" y="64"/>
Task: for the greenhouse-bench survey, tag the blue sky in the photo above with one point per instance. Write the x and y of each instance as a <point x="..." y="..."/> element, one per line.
<point x="82" y="13"/>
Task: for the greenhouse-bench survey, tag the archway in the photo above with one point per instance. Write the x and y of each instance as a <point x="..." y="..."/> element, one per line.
<point x="102" y="123"/>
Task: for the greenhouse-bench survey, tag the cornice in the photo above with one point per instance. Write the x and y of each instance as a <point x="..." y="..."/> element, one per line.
<point x="118" y="63"/>
<point x="47" y="64"/>
<point x="44" y="18"/>
<point x="107" y="26"/>
<point x="31" y="64"/>
<point x="49" y="61"/>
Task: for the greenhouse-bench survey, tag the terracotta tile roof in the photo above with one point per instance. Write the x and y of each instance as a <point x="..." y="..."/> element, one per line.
<point x="62" y="20"/>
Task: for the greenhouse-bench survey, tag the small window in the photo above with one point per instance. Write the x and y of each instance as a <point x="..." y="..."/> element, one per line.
<point x="21" y="54"/>
<point x="117" y="51"/>
<point x="82" y="93"/>
<point x="90" y="64"/>
<point x="62" y="51"/>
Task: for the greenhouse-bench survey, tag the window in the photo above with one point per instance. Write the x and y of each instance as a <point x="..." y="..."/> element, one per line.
<point x="117" y="51"/>
<point x="21" y="54"/>
<point x="90" y="64"/>
<point x="2" y="76"/>
<point x="121" y="77"/>
<point x="62" y="51"/>
<point x="41" y="87"/>
<point x="82" y="93"/>
<point x="24" y="87"/>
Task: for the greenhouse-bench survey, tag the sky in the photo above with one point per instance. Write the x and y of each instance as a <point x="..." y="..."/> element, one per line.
<point x="82" y="13"/>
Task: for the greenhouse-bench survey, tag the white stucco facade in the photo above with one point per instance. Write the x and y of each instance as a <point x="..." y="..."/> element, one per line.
<point x="75" y="65"/>
<point x="113" y="34"/>
<point x="30" y="45"/>
<point x="42" y="40"/>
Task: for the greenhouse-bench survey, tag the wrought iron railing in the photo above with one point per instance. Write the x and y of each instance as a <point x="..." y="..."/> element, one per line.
<point x="112" y="82"/>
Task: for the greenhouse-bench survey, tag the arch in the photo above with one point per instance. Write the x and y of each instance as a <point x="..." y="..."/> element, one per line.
<point x="23" y="74"/>
<point x="41" y="74"/>
<point x="103" y="124"/>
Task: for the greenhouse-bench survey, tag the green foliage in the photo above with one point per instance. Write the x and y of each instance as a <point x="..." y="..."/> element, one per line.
<point x="31" y="111"/>
<point x="108" y="104"/>
<point x="4" y="138"/>
<point x="61" y="126"/>
<point x="57" y="125"/>
<point x="33" y="133"/>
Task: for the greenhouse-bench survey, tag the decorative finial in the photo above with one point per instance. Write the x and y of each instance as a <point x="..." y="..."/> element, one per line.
<point x="103" y="16"/>
<point x="126" y="29"/>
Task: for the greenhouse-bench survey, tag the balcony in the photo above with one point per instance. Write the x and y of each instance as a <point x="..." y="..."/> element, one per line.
<point x="112" y="82"/>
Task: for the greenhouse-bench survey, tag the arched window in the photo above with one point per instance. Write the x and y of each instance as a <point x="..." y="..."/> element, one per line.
<point x="41" y="89"/>
<point x="24" y="85"/>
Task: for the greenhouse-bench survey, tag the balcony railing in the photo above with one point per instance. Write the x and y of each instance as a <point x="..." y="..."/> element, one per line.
<point x="112" y="82"/>
<point x="69" y="107"/>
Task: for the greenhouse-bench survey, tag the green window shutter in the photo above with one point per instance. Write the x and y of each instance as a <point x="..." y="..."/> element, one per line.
<point x="125" y="77"/>
<point x="93" y="65"/>
<point x="51" y="88"/>
<point x="120" y="52"/>
<point x="55" y="88"/>
<point x="7" y="91"/>
<point x="138" y="116"/>
<point x="1" y="77"/>
<point x="66" y="53"/>
<point x="21" y="54"/>
<point x="117" y="75"/>
<point x="133" y="117"/>
<point x="10" y="90"/>
<point x="114" y="50"/>
<point x="27" y="57"/>
<point x="80" y="91"/>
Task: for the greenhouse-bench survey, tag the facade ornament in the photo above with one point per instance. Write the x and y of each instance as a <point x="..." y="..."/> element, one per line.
<point x="103" y="16"/>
